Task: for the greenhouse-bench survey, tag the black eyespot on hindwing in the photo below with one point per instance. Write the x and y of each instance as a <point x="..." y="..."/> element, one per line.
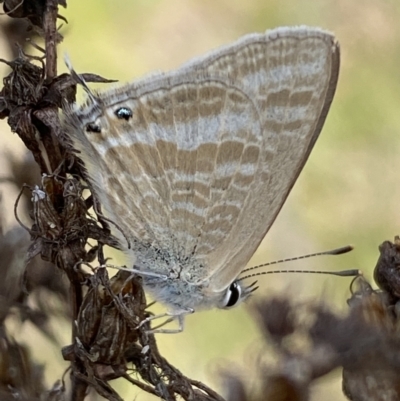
<point x="123" y="113"/>
<point x="93" y="127"/>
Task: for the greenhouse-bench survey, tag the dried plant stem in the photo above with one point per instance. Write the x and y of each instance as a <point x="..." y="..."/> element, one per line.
<point x="78" y="386"/>
<point x="50" y="28"/>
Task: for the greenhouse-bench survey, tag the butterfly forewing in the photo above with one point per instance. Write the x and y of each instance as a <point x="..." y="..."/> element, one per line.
<point x="291" y="74"/>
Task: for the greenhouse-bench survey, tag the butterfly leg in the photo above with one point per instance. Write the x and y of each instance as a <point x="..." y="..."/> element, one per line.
<point x="138" y="272"/>
<point x="171" y="317"/>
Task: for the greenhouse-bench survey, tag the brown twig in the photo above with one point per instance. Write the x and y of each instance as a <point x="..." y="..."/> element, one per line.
<point x="50" y="29"/>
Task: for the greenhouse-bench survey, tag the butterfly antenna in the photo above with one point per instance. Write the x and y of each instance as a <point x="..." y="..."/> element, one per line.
<point x="337" y="251"/>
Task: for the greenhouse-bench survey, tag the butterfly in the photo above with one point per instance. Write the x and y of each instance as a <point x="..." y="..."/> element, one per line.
<point x="192" y="166"/>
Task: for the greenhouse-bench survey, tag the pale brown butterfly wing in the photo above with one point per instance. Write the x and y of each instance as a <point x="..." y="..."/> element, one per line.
<point x="197" y="175"/>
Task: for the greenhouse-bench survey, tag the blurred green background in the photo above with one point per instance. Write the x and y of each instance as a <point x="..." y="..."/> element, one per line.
<point x="348" y="192"/>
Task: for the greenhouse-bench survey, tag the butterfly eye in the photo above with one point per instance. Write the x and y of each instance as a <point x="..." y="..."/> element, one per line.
<point x="93" y="128"/>
<point x="123" y="113"/>
<point x="233" y="295"/>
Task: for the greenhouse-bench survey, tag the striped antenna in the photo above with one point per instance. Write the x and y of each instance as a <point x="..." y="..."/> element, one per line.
<point x="337" y="251"/>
